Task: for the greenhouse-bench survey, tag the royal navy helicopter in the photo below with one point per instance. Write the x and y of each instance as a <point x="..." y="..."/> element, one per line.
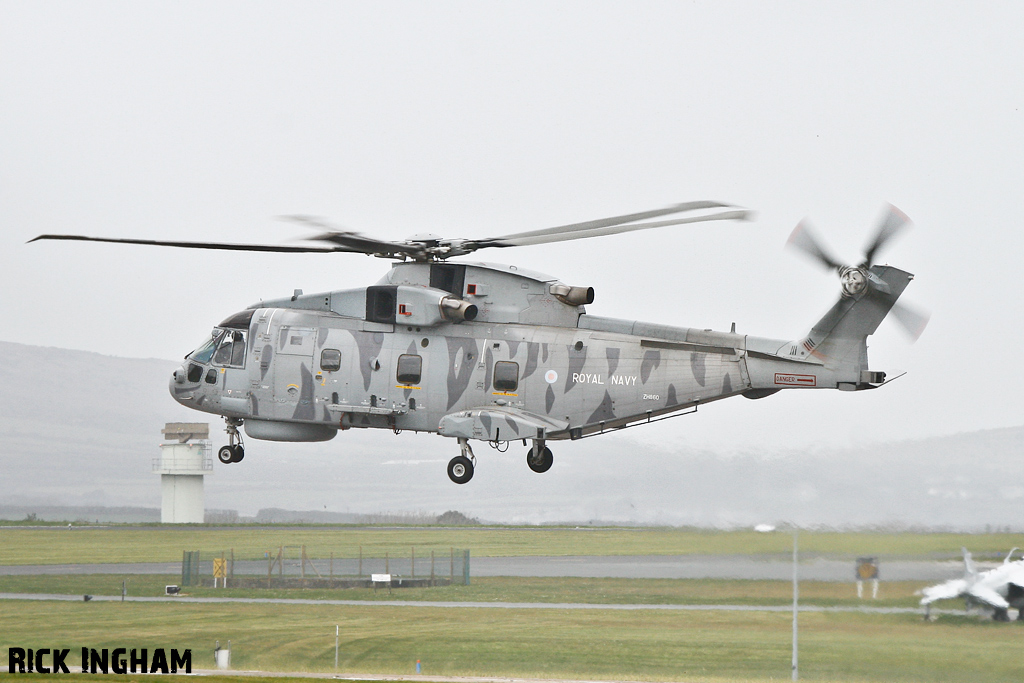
<point x="496" y="353"/>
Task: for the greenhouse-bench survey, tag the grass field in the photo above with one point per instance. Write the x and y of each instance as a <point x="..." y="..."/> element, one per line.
<point x="591" y="644"/>
<point x="135" y="678"/>
<point x="58" y="545"/>
<point x="507" y="589"/>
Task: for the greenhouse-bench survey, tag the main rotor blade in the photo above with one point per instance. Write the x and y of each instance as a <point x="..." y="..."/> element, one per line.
<point x="913" y="322"/>
<point x="196" y="245"/>
<point x="803" y="239"/>
<point x="892" y="223"/>
<point x="616" y="220"/>
<point x="525" y="240"/>
<point x="606" y="226"/>
<point x="354" y="241"/>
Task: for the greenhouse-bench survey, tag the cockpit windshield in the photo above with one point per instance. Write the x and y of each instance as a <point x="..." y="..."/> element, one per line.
<point x="222" y="347"/>
<point x="204" y="352"/>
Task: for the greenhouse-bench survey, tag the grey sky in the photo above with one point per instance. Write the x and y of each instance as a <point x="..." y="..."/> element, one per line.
<point x="204" y="121"/>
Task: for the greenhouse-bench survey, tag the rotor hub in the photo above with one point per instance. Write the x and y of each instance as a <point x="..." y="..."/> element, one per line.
<point x="853" y="280"/>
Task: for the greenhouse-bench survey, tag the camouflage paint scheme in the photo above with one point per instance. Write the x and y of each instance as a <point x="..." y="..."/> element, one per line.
<point x="577" y="374"/>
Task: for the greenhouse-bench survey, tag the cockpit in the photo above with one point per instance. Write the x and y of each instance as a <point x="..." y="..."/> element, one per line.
<point x="225" y="348"/>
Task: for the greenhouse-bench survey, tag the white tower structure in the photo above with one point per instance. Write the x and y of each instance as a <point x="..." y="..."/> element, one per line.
<point x="185" y="458"/>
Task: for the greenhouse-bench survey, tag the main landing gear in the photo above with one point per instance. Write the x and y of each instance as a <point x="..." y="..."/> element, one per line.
<point x="539" y="457"/>
<point x="233" y="452"/>
<point x="460" y="468"/>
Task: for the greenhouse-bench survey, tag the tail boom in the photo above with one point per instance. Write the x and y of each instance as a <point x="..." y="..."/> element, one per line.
<point x="834" y="353"/>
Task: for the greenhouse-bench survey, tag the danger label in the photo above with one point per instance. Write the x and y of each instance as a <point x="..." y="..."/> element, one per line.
<point x="787" y="380"/>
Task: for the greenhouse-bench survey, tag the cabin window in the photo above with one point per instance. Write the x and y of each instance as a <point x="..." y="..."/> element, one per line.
<point x="330" y="360"/>
<point x="506" y="375"/>
<point x="410" y="367"/>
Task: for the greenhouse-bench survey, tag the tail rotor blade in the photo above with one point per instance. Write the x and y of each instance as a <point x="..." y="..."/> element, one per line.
<point x="893" y="222"/>
<point x="803" y="238"/>
<point x="913" y="322"/>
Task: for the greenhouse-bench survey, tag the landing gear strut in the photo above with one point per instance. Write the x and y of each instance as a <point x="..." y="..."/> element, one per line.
<point x="460" y="468"/>
<point x="233" y="452"/>
<point x="539" y="457"/>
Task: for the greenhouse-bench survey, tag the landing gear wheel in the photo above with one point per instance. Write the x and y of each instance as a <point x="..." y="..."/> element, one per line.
<point x="234" y="451"/>
<point x="226" y="454"/>
<point x="541" y="463"/>
<point x="460" y="469"/>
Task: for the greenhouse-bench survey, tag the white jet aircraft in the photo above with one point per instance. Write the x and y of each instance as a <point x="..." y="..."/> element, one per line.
<point x="996" y="589"/>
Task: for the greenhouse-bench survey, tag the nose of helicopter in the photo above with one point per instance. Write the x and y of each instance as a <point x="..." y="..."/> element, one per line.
<point x="180" y="387"/>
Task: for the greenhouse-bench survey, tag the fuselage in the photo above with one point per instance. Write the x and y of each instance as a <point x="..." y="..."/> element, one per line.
<point x="303" y="368"/>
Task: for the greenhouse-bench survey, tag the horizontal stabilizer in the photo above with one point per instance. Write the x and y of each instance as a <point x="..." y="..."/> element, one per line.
<point x="943" y="591"/>
<point x="987" y="596"/>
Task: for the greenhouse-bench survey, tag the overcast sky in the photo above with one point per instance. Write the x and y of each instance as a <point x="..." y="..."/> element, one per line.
<point x="205" y="120"/>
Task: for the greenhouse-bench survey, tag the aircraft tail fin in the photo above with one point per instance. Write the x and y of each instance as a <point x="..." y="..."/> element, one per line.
<point x="970" y="571"/>
<point x="840" y="337"/>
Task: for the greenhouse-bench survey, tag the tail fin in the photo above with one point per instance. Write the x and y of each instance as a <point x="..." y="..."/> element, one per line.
<point x="970" y="571"/>
<point x="839" y="339"/>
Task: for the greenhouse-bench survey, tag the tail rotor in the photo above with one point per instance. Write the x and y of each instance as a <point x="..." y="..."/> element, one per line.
<point x="856" y="279"/>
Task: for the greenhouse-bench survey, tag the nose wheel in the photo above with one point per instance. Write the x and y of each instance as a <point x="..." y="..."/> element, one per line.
<point x="233" y="452"/>
<point x="230" y="454"/>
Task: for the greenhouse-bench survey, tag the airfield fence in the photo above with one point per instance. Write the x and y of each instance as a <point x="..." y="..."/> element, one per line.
<point x="292" y="567"/>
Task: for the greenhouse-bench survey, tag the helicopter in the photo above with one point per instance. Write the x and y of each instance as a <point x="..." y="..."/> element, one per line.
<point x="486" y="352"/>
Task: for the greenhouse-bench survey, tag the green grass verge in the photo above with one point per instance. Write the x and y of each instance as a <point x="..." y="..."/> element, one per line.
<point x="508" y="589"/>
<point x="137" y="678"/>
<point x="54" y="545"/>
<point x="590" y="644"/>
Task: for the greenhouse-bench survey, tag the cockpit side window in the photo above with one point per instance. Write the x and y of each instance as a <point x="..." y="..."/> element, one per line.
<point x="238" y="350"/>
<point x="231" y="351"/>
<point x="204" y="352"/>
